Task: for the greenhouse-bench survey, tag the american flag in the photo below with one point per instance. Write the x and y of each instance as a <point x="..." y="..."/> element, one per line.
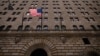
<point x="35" y="12"/>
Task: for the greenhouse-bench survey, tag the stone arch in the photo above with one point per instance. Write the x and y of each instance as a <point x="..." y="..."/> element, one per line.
<point x="39" y="43"/>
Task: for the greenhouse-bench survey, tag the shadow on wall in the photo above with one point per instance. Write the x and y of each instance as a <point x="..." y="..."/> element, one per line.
<point x="93" y="53"/>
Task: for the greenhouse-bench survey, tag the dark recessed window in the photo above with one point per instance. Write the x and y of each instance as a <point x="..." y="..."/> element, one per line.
<point x="86" y="40"/>
<point x="38" y="27"/>
<point x="14" y="19"/>
<point x="20" y="27"/>
<point x="81" y="27"/>
<point x="56" y="18"/>
<point x="45" y="18"/>
<point x="1" y="13"/>
<point x="25" y="19"/>
<point x="71" y="19"/>
<point x="8" y="28"/>
<point x="2" y="5"/>
<point x="18" y="13"/>
<point x="75" y="27"/>
<point x="30" y="18"/>
<point x="92" y="18"/>
<point x="4" y="13"/>
<point x="27" y="27"/>
<point x="5" y="8"/>
<point x="57" y="27"/>
<point x="39" y="18"/>
<point x="87" y="18"/>
<point x="61" y="18"/>
<point x="13" y="13"/>
<point x="98" y="27"/>
<point x="9" y="19"/>
<point x="0" y="18"/>
<point x="93" y="27"/>
<point x="2" y="27"/>
<point x="63" y="27"/>
<point x="45" y="27"/>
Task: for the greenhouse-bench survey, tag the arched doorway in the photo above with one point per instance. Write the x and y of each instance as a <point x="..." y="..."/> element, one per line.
<point x="39" y="52"/>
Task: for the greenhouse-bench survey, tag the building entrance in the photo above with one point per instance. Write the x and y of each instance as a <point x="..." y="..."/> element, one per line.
<point x="39" y="52"/>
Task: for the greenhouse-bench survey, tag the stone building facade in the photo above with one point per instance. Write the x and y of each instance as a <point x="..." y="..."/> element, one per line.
<point x="66" y="28"/>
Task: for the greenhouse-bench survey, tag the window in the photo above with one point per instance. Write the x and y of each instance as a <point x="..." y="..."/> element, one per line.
<point x="87" y="18"/>
<point x="8" y="27"/>
<point x="19" y="8"/>
<point x="86" y="40"/>
<point x="13" y="13"/>
<point x="1" y="13"/>
<point x="9" y="18"/>
<point x="16" y="13"/>
<point x="93" y="27"/>
<point x="5" y="8"/>
<point x="38" y="27"/>
<point x="2" y="5"/>
<point x="74" y="18"/>
<point x="71" y="13"/>
<point x="27" y="13"/>
<point x="40" y="19"/>
<point x="14" y="19"/>
<point x="27" y="27"/>
<point x="63" y="27"/>
<point x="97" y="13"/>
<point x="45" y="18"/>
<point x="75" y="27"/>
<point x="61" y="18"/>
<point x="30" y="18"/>
<point x="45" y="13"/>
<point x="71" y="19"/>
<point x="45" y="27"/>
<point x="56" y="18"/>
<point x="92" y="18"/>
<point x="4" y="13"/>
<point x="85" y="13"/>
<point x="0" y="18"/>
<point x="2" y="27"/>
<point x="81" y="27"/>
<point x="20" y="27"/>
<point x="25" y="19"/>
<point x="57" y="27"/>
<point x="98" y="27"/>
<point x="81" y="8"/>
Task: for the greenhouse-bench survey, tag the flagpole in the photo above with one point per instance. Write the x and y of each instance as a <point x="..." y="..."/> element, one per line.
<point x="60" y="21"/>
<point x="41" y="21"/>
<point x="22" y="18"/>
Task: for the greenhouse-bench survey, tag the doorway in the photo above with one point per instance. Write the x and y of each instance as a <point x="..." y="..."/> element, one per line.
<point x="39" y="52"/>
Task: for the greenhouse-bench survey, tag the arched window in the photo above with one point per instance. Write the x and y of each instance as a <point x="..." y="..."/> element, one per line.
<point x="20" y="27"/>
<point x="38" y="27"/>
<point x="56" y="27"/>
<point x="93" y="27"/>
<point x="27" y="27"/>
<point x="8" y="27"/>
<point x="81" y="27"/>
<point x="98" y="27"/>
<point x="63" y="27"/>
<point x="45" y="27"/>
<point x="1" y="27"/>
<point x="75" y="27"/>
<point x="56" y="18"/>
